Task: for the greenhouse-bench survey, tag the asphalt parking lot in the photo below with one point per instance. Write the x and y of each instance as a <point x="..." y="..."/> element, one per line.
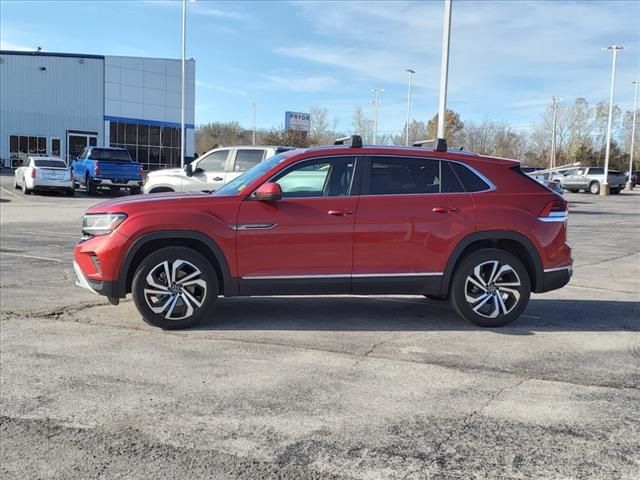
<point x="393" y="387"/>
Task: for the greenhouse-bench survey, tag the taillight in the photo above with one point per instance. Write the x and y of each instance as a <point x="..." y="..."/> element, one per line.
<point x="555" y="208"/>
<point x="97" y="168"/>
<point x="33" y="173"/>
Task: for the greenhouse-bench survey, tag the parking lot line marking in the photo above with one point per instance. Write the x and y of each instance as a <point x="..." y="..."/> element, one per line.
<point x="32" y="256"/>
<point x="52" y="234"/>
<point x="13" y="194"/>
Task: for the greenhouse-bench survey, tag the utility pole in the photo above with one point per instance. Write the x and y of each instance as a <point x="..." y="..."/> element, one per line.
<point x="377" y="91"/>
<point x="553" y="135"/>
<point x="604" y="188"/>
<point x="406" y="134"/>
<point x="444" y="68"/>
<point x="254" y="105"/>
<point x="184" y="52"/>
<point x="633" y="135"/>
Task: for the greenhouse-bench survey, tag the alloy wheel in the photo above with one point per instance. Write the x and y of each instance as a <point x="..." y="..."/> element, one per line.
<point x="175" y="289"/>
<point x="492" y="289"/>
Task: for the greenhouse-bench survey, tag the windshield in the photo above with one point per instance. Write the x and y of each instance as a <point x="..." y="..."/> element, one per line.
<point x="50" y="163"/>
<point x="110" y="155"/>
<point x="235" y="186"/>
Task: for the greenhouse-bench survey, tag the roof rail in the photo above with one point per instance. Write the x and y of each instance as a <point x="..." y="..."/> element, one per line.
<point x="353" y="141"/>
<point x="440" y="144"/>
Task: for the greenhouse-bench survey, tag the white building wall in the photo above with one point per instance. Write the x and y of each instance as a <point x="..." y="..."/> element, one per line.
<point x="46" y="95"/>
<point x="147" y="90"/>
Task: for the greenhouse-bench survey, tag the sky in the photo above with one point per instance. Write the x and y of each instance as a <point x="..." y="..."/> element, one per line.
<point x="507" y="59"/>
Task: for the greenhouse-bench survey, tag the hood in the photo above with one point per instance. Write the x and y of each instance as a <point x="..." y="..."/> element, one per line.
<point x="137" y="202"/>
<point x="166" y="171"/>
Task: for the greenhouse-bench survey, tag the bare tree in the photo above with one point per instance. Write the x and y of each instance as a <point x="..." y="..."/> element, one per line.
<point x="417" y="131"/>
<point x="319" y="134"/>
<point x="362" y="126"/>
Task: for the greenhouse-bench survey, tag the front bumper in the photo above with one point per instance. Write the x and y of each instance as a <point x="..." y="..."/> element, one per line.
<point x="555" y="278"/>
<point x="99" y="287"/>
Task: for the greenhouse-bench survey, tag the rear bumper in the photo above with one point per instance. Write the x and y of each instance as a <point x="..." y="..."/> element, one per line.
<point x="109" y="182"/>
<point x="555" y="278"/>
<point x="43" y="184"/>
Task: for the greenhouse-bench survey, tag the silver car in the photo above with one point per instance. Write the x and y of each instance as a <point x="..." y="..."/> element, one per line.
<point x="44" y="174"/>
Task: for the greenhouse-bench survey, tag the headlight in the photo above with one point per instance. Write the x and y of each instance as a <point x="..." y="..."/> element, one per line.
<point x="101" y="223"/>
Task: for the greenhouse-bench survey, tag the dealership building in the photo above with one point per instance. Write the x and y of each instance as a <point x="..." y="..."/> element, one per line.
<point x="59" y="103"/>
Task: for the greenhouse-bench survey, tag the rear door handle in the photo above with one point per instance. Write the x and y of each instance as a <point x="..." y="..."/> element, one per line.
<point x="217" y="179"/>
<point x="340" y="213"/>
<point x="445" y="210"/>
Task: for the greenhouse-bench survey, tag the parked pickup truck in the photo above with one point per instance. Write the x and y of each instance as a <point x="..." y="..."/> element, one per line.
<point x="590" y="179"/>
<point x="106" y="167"/>
<point x="209" y="172"/>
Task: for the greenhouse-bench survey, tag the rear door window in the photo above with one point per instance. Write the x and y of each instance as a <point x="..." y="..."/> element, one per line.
<point x="245" y="159"/>
<point x="410" y="176"/>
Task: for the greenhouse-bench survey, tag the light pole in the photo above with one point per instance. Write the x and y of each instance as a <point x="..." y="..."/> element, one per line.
<point x="444" y="68"/>
<point x="630" y="185"/>
<point x="604" y="190"/>
<point x="377" y="91"/>
<point x="406" y="134"/>
<point x="182" y="84"/>
<point x="254" y="106"/>
<point x="553" y="134"/>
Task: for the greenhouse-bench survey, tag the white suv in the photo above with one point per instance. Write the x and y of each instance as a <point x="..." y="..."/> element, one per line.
<point x="210" y="171"/>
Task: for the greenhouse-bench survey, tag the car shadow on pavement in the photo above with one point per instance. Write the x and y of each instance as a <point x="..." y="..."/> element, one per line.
<point x="412" y="314"/>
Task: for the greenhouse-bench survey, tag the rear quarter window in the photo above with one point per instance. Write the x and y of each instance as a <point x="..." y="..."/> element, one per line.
<point x="470" y="180"/>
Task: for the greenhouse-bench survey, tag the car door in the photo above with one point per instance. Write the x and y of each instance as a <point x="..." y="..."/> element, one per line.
<point x="411" y="214"/>
<point x="79" y="167"/>
<point x="302" y="243"/>
<point x="209" y="171"/>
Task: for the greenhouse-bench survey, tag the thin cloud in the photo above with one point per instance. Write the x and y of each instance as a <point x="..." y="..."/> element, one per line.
<point x="5" y="45"/>
<point x="300" y="83"/>
<point x="219" y="88"/>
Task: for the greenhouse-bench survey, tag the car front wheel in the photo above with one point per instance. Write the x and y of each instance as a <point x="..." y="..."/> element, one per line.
<point x="175" y="287"/>
<point x="490" y="288"/>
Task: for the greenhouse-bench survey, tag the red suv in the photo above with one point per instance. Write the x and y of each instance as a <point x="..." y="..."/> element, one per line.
<point x="343" y="219"/>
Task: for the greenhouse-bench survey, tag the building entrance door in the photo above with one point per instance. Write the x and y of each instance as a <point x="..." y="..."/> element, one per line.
<point x="78" y="141"/>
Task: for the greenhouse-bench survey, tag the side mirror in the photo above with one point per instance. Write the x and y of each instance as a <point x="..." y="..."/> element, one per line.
<point x="188" y="170"/>
<point x="268" y="192"/>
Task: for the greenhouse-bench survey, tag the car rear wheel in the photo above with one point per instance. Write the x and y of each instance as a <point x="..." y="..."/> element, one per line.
<point x="91" y="187"/>
<point x="175" y="287"/>
<point x="15" y="184"/>
<point x="594" y="187"/>
<point x="490" y="288"/>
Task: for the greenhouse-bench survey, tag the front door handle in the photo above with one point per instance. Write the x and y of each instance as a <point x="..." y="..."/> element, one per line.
<point x="218" y="179"/>
<point x="340" y="213"/>
<point x="445" y="210"/>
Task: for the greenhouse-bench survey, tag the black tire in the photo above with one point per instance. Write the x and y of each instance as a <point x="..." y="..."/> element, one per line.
<point x="573" y="190"/>
<point x="90" y="186"/>
<point x="162" y="190"/>
<point x="135" y="190"/>
<point x="204" y="292"/>
<point x="594" y="187"/>
<point x="463" y="284"/>
<point x="15" y="184"/>
<point x="70" y="192"/>
<point x="25" y="190"/>
<point x="614" y="191"/>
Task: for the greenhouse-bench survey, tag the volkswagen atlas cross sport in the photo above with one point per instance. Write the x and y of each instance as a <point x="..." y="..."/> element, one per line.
<point x="342" y="219"/>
